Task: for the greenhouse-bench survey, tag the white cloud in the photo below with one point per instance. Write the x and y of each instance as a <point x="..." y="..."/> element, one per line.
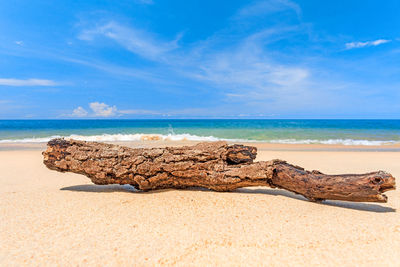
<point x="246" y="69"/>
<point x="103" y="110"/>
<point x="245" y="65"/>
<point x="135" y="40"/>
<point x="249" y="71"/>
<point x="79" y="112"/>
<point x="98" y="109"/>
<point x="366" y="44"/>
<point x="28" y="82"/>
<point x="20" y="43"/>
<point x="288" y="76"/>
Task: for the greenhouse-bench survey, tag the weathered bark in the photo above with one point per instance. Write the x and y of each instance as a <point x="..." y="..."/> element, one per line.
<point x="217" y="166"/>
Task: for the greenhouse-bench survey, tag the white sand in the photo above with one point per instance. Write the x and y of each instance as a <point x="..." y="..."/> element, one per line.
<point x="50" y="218"/>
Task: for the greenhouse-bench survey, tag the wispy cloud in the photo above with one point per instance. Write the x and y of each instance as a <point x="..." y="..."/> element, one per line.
<point x="135" y="40"/>
<point x="366" y="44"/>
<point x="146" y="2"/>
<point x="267" y="7"/>
<point x="249" y="67"/>
<point x="242" y="66"/>
<point x="237" y="67"/>
<point x="28" y="82"/>
<point x="117" y="70"/>
<point x="2" y="102"/>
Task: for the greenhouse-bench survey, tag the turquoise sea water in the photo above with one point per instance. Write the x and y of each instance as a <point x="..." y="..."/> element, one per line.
<point x="348" y="132"/>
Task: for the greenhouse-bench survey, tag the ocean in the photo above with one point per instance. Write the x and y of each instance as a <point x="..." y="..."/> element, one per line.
<point x="346" y="132"/>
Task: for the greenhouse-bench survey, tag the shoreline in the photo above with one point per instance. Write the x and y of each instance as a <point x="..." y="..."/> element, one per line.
<point x="261" y="146"/>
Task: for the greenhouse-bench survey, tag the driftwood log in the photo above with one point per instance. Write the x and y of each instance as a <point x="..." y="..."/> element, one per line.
<point x="216" y="166"/>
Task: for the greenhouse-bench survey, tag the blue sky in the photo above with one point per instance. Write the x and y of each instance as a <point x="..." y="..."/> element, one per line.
<point x="200" y="59"/>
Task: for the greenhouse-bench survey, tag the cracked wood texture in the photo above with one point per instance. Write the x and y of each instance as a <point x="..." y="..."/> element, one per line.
<point x="214" y="165"/>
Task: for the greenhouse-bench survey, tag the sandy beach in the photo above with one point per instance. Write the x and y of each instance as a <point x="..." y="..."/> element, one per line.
<point x="50" y="218"/>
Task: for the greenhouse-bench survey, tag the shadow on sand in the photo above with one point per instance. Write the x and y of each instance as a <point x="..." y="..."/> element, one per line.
<point x="272" y="192"/>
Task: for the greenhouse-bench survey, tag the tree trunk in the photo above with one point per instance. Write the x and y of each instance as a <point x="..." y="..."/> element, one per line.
<point x="216" y="166"/>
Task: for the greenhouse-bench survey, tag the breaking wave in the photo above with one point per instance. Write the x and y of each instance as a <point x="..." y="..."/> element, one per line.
<point x="190" y="137"/>
<point x="121" y="138"/>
